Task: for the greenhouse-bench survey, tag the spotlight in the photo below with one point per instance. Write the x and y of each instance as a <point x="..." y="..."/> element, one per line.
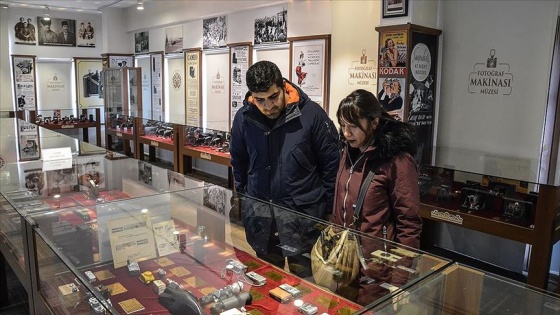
<point x="140" y="5"/>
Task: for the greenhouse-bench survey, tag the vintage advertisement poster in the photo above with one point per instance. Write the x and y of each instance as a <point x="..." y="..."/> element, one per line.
<point x="24" y="30"/>
<point x="390" y="95"/>
<point x="24" y="82"/>
<point x="214" y="32"/>
<point x="34" y="181"/>
<point x="157" y="86"/>
<point x="116" y="61"/>
<point x="88" y="83"/>
<point x="193" y="105"/>
<point x="308" y="60"/>
<point x="28" y="144"/>
<point x="239" y="65"/>
<point x="166" y="241"/>
<point x="392" y="53"/>
<point x="422" y="91"/>
<point x="131" y="239"/>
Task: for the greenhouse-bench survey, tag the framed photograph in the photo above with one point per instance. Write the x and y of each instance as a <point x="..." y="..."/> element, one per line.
<point x="240" y="60"/>
<point x="214" y="32"/>
<point x="309" y="64"/>
<point x="193" y="95"/>
<point x="88" y="82"/>
<point x="394" y="8"/>
<point x="24" y="79"/>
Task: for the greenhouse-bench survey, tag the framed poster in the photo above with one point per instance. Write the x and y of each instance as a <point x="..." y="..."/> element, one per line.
<point x="193" y="96"/>
<point x="117" y="60"/>
<point x="309" y="66"/>
<point x="86" y="34"/>
<point x="141" y="42"/>
<point x="240" y="60"/>
<point x="25" y="91"/>
<point x="394" y="8"/>
<point x="57" y="32"/>
<point x="173" y="39"/>
<point x="156" y="63"/>
<point x="272" y="26"/>
<point x="29" y="147"/>
<point x="88" y="82"/>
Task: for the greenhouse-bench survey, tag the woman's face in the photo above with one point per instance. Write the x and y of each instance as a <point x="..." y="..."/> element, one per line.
<point x="390" y="44"/>
<point x="353" y="134"/>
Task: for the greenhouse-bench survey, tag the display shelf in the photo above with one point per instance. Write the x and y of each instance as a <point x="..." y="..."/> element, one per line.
<point x="120" y="127"/>
<point x="522" y="211"/>
<point x="123" y="91"/>
<point x="65" y="119"/>
<point x="460" y="289"/>
<point x="157" y="135"/>
<point x="207" y="144"/>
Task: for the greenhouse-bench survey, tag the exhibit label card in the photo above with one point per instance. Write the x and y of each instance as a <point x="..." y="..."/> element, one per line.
<point x="57" y="159"/>
<point x="166" y="241"/>
<point x="131" y="239"/>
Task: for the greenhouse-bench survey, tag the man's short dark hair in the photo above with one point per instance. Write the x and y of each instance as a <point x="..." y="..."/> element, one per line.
<point x="262" y="75"/>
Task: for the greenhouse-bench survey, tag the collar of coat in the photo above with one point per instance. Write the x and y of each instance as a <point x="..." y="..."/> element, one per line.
<point x="292" y="98"/>
<point x="391" y="139"/>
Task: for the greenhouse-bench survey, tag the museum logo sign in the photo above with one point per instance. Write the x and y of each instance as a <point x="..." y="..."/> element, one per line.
<point x="491" y="78"/>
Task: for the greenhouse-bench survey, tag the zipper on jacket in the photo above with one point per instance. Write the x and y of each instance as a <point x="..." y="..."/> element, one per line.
<point x="385" y="237"/>
<point x="347" y="187"/>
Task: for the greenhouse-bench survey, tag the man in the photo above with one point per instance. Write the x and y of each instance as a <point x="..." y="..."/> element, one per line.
<point x="19" y="26"/>
<point x="49" y="36"/>
<point x="89" y="31"/>
<point x="31" y="29"/>
<point x="284" y="150"/>
<point x="66" y="37"/>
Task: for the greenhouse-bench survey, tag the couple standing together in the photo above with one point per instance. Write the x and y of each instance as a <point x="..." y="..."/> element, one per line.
<point x="285" y="150"/>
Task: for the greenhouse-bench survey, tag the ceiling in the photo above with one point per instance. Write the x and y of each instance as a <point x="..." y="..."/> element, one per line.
<point x="70" y="5"/>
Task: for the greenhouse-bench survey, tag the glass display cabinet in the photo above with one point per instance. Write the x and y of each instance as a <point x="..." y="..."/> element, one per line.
<point x="157" y="135"/>
<point x="204" y="143"/>
<point x="460" y="289"/>
<point x="523" y="211"/>
<point x="120" y="133"/>
<point x="123" y="91"/>
<point x="181" y="253"/>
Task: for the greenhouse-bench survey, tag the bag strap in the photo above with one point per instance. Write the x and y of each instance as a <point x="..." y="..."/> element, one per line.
<point x="362" y="196"/>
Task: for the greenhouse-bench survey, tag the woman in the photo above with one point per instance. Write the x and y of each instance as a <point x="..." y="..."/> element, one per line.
<point x="390" y="56"/>
<point x="376" y="142"/>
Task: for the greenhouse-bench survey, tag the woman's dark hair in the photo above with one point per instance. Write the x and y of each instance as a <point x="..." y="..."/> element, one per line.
<point x="361" y="104"/>
<point x="262" y="75"/>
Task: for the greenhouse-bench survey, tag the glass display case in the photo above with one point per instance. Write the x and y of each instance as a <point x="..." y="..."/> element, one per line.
<point x="119" y="133"/>
<point x="204" y="143"/>
<point x="513" y="209"/>
<point x="460" y="289"/>
<point x="180" y="251"/>
<point x="123" y="91"/>
<point x="157" y="135"/>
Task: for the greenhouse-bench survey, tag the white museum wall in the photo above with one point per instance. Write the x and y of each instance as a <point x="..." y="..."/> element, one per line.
<point x="175" y="97"/>
<point x="115" y="39"/>
<point x="6" y="88"/>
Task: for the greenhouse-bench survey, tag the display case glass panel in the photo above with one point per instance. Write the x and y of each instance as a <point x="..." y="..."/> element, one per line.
<point x="190" y="245"/>
<point x="460" y="289"/>
<point x="123" y="91"/>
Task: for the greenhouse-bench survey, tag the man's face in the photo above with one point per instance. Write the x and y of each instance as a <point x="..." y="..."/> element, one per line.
<point x="395" y="87"/>
<point x="272" y="102"/>
<point x="65" y="28"/>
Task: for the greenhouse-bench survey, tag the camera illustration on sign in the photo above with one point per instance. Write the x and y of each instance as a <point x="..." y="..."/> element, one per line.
<point x="491" y="77"/>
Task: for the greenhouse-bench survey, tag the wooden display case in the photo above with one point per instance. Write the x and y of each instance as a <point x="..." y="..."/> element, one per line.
<point x="190" y="148"/>
<point x="157" y="135"/>
<point x="92" y="120"/>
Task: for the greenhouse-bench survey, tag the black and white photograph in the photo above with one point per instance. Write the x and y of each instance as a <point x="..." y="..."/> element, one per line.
<point x="141" y="42"/>
<point x="62" y="181"/>
<point x="236" y="75"/>
<point x="215" y="198"/>
<point x="214" y="32"/>
<point x="35" y="181"/>
<point x="145" y="172"/>
<point x="91" y="172"/>
<point x="272" y="28"/>
<point x="57" y="32"/>
<point x="25" y="30"/>
<point x="395" y="8"/>
<point x="422" y="95"/>
<point x="174" y="39"/>
<point x="86" y="34"/>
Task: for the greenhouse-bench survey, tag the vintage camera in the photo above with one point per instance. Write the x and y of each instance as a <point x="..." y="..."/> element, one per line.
<point x="223" y="293"/>
<point x="515" y="208"/>
<point x="83" y="118"/>
<point x="308" y="309"/>
<point x="91" y="118"/>
<point x="476" y="199"/>
<point x="55" y="120"/>
<point x="38" y="119"/>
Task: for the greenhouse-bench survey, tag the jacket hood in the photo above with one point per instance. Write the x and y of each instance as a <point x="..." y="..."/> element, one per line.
<point x="393" y="138"/>
<point x="294" y="95"/>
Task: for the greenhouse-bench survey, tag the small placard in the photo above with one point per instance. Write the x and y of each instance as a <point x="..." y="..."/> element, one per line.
<point x="131" y="306"/>
<point x="119" y="134"/>
<point x="116" y="288"/>
<point x="154" y="143"/>
<point x="57" y="158"/>
<point x="205" y="156"/>
<point x="68" y="126"/>
<point x="103" y="274"/>
<point x="179" y="271"/>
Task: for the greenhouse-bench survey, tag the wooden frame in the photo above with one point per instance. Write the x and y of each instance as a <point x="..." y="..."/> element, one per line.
<point x="193" y="87"/>
<point x="25" y="82"/>
<point x="240" y="58"/>
<point x="313" y="53"/>
<point x="117" y="60"/>
<point x="88" y="73"/>
<point x="394" y="8"/>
